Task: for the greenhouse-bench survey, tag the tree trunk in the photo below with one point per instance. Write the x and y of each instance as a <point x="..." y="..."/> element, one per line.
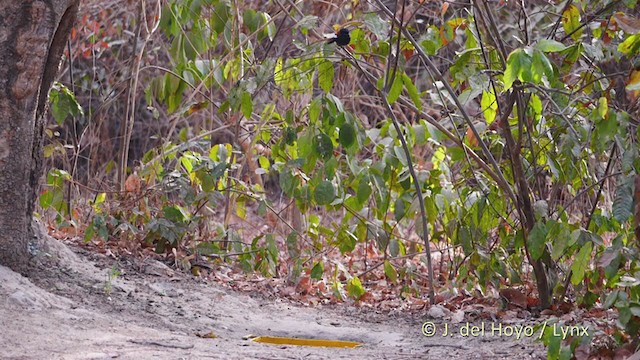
<point x="33" y="34"/>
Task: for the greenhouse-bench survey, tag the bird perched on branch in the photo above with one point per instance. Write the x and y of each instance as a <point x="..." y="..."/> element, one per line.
<point x="342" y="38"/>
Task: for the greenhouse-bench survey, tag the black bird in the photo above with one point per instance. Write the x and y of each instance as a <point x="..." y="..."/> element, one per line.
<point x="342" y="38"/>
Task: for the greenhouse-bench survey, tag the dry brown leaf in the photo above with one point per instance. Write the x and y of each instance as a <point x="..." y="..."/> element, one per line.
<point x="471" y="138"/>
<point x="133" y="183"/>
<point x="304" y="285"/>
<point x="628" y="24"/>
<point x="515" y="297"/>
<point x="443" y="10"/>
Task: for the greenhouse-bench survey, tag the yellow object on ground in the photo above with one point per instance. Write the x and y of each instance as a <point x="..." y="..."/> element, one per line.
<point x="306" y="342"/>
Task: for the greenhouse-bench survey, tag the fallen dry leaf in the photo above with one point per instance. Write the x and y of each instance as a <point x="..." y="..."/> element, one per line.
<point x="514" y="297"/>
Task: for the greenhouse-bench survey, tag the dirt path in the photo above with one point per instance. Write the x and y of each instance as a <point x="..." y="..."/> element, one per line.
<point x="152" y="311"/>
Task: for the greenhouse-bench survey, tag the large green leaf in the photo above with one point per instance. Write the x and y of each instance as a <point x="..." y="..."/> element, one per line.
<point x="323" y="145"/>
<point x="630" y="46"/>
<point x="325" y="75"/>
<point x="325" y="193"/>
<point x="537" y="240"/>
<point x="571" y="22"/>
<point x="518" y="68"/>
<point x="355" y="288"/>
<point x="317" y="271"/>
<point x="63" y="103"/>
<point x="581" y="263"/>
<point x="547" y="45"/>
<point x="246" y="105"/>
<point x="396" y="89"/>
<point x="623" y="203"/>
<point x="489" y="105"/>
<point x="390" y="271"/>
<point x="364" y="190"/>
<point x="541" y="66"/>
<point x="347" y="135"/>
<point x="412" y="90"/>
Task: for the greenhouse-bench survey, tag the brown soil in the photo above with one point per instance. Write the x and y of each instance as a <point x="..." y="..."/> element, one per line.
<point x="76" y="311"/>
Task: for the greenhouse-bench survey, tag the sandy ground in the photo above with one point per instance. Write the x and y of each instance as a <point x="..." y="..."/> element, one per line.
<point x="150" y="311"/>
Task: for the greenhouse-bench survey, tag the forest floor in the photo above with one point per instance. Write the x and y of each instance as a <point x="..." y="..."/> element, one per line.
<point x="78" y="311"/>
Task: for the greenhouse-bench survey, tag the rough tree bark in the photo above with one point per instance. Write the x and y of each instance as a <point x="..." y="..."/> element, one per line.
<point x="33" y="34"/>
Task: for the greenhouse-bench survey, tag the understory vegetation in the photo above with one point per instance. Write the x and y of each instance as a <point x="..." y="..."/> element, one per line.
<point x="450" y="152"/>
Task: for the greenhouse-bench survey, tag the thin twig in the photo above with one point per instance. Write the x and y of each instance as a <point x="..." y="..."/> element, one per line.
<point x="161" y="344"/>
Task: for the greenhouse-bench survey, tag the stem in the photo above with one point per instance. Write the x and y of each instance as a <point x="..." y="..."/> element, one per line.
<point x="524" y="207"/>
<point x="416" y="183"/>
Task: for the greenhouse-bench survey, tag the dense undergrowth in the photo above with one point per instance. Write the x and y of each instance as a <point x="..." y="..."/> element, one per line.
<point x="208" y="130"/>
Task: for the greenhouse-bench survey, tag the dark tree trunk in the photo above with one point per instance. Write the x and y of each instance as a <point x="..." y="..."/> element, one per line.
<point x="33" y="34"/>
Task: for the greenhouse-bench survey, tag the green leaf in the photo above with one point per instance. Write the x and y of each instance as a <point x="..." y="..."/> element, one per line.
<point x="264" y="162"/>
<point x="536" y="105"/>
<point x="541" y="66"/>
<point x="317" y="271"/>
<point x="565" y="353"/>
<point x="399" y="209"/>
<point x="571" y="22"/>
<point x="390" y="271"/>
<point x="603" y="107"/>
<point x="307" y="22"/>
<point x="89" y="232"/>
<point x="558" y="247"/>
<point x="246" y="105"/>
<point x="537" y="240"/>
<point x="547" y="45"/>
<point x="518" y="68"/>
<point x="395" y="247"/>
<point x="330" y="168"/>
<point x="420" y="132"/>
<point x="376" y="24"/>
<point x="288" y="182"/>
<point x="635" y="309"/>
<point x="325" y="75"/>
<point x="581" y="263"/>
<point x="395" y="90"/>
<point x="347" y="135"/>
<point x="623" y="203"/>
<point x="175" y="213"/>
<point x="489" y="106"/>
<point x="412" y="90"/>
<point x="63" y="103"/>
<point x="278" y="74"/>
<point x="100" y="198"/>
<point x="401" y="155"/>
<point x="610" y="299"/>
<point x="292" y="246"/>
<point x="271" y="27"/>
<point x="364" y="190"/>
<point x="464" y="238"/>
<point x="325" y="193"/>
<point x="630" y="46"/>
<point x="251" y="20"/>
<point x="220" y="16"/>
<point x="624" y="313"/>
<point x="315" y="108"/>
<point x="553" y="343"/>
<point x="323" y="145"/>
<point x="346" y="241"/>
<point x="354" y="288"/>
